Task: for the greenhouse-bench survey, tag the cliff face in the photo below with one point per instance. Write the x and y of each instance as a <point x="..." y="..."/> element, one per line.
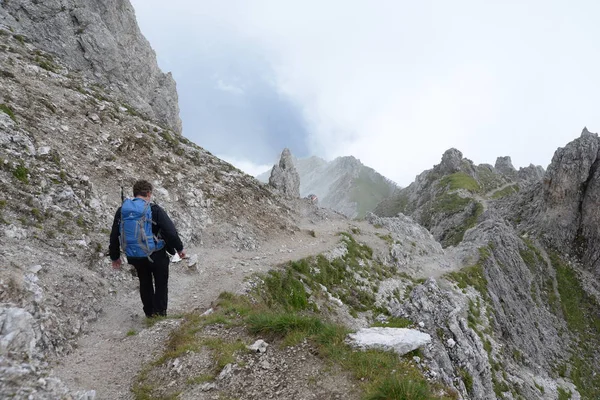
<point x="102" y="40"/>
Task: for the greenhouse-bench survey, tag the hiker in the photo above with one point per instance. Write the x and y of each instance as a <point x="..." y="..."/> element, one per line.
<point x="145" y="232"/>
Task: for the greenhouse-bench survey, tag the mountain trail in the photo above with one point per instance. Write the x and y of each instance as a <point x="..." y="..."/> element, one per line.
<point x="111" y="354"/>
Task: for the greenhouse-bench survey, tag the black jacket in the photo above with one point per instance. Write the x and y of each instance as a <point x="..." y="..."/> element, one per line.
<point x="162" y="227"/>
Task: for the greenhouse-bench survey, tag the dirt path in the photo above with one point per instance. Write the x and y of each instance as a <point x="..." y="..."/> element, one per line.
<point x="108" y="359"/>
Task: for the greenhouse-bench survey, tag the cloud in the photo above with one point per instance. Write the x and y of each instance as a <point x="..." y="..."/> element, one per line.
<point x="248" y="167"/>
<point x="394" y="83"/>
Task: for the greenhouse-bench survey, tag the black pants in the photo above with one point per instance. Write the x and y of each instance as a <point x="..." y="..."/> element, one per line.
<point x="154" y="278"/>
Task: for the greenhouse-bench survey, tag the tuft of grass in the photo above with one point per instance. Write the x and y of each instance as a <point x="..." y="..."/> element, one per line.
<point x="224" y="352"/>
<point x="284" y="289"/>
<point x="131" y="332"/>
<point x="8" y="111"/>
<point x="21" y="173"/>
<point x="392" y="388"/>
<point x="563" y="394"/>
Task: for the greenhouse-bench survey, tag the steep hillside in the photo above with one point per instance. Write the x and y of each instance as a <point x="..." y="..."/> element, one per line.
<point x="495" y="268"/>
<point x="344" y="184"/>
<point x="67" y="145"/>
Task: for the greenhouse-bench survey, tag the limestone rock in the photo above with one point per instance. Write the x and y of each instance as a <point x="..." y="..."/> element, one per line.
<point x="102" y="39"/>
<point x="505" y="167"/>
<point x="400" y="340"/>
<point x="452" y="161"/>
<point x="284" y="176"/>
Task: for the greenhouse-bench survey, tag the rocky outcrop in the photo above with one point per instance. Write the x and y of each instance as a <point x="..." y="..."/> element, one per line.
<point x="504" y="166"/>
<point x="102" y="40"/>
<point x="284" y="176"/>
<point x="571" y="199"/>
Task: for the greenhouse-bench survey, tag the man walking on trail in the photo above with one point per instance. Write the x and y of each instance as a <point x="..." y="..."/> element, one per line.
<point x="144" y="231"/>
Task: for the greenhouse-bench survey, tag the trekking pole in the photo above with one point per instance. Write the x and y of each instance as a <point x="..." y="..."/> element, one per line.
<point x="122" y="194"/>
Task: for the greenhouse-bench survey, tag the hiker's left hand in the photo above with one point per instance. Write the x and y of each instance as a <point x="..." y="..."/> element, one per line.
<point x="116" y="264"/>
<point x="181" y="254"/>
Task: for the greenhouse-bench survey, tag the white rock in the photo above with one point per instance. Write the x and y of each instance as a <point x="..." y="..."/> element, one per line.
<point x="451" y="343"/>
<point x="208" y="312"/>
<point x="260" y="346"/>
<point x="400" y="340"/>
<point x="17" y="332"/>
<point x="64" y="128"/>
<point x="35" y="269"/>
<point x="226" y="372"/>
<point x="422" y="324"/>
<point x="42" y="151"/>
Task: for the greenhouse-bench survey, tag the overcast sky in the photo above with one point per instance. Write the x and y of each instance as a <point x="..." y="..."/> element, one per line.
<point x="393" y="83"/>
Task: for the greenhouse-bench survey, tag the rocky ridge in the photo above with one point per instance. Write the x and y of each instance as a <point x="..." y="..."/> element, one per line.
<point x="344" y="184"/>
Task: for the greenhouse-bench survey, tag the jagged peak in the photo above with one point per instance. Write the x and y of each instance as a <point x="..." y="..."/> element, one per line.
<point x="585" y="132"/>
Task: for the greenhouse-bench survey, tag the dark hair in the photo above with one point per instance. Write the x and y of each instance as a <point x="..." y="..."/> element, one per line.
<point x="142" y="188"/>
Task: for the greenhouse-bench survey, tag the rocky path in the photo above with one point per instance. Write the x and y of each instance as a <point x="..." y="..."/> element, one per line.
<point x="111" y="354"/>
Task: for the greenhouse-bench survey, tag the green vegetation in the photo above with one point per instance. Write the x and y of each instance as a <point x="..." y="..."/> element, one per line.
<point x="457" y="234"/>
<point x="459" y="180"/>
<point x="8" y="111"/>
<point x="507" y="191"/>
<point x="46" y="64"/>
<point x="279" y="309"/>
<point x="564" y="394"/>
<point x="580" y="311"/>
<point x="21" y="173"/>
<point x="131" y="332"/>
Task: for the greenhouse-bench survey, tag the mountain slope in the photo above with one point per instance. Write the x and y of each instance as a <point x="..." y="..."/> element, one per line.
<point x="344" y="184"/>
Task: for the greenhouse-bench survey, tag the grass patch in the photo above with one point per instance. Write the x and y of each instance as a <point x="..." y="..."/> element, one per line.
<point x="580" y="311"/>
<point x="131" y="332"/>
<point x="459" y="180"/>
<point x="21" y="173"/>
<point x="563" y="394"/>
<point x="224" y="352"/>
<point x="8" y="111"/>
<point x="392" y="388"/>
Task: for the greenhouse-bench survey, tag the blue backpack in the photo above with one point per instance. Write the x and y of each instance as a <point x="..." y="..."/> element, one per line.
<point x="137" y="239"/>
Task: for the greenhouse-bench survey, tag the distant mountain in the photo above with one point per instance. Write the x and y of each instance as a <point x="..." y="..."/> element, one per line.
<point x="344" y="184"/>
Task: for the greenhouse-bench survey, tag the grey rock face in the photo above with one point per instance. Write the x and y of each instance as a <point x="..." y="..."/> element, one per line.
<point x="284" y="176"/>
<point x="452" y="161"/>
<point x="571" y="198"/>
<point x="531" y="173"/>
<point x="505" y="167"/>
<point x="102" y="39"/>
